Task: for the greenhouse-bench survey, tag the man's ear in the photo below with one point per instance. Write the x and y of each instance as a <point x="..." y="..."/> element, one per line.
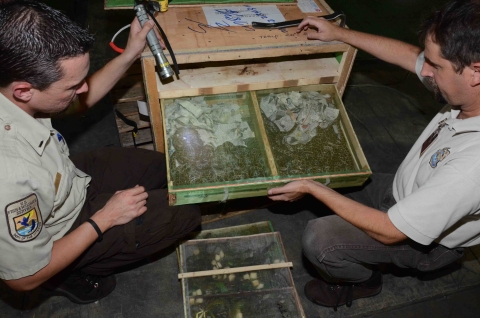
<point x="476" y="74"/>
<point x="22" y="91"/>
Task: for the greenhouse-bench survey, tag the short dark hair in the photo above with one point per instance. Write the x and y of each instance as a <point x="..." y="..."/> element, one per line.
<point x="34" y="38"/>
<point x="456" y="29"/>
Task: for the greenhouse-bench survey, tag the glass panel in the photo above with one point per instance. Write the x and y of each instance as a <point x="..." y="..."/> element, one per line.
<point x="231" y="231"/>
<point x="255" y="293"/>
<point x="268" y="304"/>
<point x="212" y="254"/>
<point x="305" y="132"/>
<point x="239" y="282"/>
<point x="214" y="139"/>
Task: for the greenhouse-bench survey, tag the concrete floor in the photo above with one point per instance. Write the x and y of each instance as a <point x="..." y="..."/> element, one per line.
<point x="388" y="108"/>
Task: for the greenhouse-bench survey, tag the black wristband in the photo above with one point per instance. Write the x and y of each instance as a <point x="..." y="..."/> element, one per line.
<point x="97" y="229"/>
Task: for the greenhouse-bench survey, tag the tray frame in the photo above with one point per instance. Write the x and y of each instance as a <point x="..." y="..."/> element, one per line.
<point x="278" y="238"/>
<point x="221" y="191"/>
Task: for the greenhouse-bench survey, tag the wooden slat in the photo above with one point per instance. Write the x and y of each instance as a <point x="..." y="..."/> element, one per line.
<point x="123" y="128"/>
<point x="221" y="216"/>
<point x="345" y="68"/>
<point x="130" y="110"/>
<point x="325" y="6"/>
<point x="232" y="77"/>
<point x="133" y="92"/>
<point x="214" y="211"/>
<point x="266" y="143"/>
<point x="218" y="54"/>
<point x="235" y="270"/>
<point x="347" y="59"/>
<point x="130" y="86"/>
<point x="144" y="136"/>
<point x="172" y="197"/>
<point x="150" y="80"/>
<point x="275" y="182"/>
<point x="351" y="134"/>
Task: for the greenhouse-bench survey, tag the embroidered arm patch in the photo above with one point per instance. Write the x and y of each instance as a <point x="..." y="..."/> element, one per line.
<point x="24" y="219"/>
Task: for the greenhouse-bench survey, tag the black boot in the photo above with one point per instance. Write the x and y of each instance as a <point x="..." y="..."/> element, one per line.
<point x="82" y="288"/>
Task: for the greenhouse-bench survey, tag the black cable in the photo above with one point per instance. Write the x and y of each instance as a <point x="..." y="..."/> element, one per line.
<point x="291" y="23"/>
<point x="129" y="122"/>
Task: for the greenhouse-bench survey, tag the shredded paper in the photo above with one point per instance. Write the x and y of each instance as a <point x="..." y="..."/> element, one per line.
<point x="300" y="113"/>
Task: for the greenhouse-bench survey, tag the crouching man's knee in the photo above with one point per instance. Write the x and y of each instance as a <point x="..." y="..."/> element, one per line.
<point x="319" y="235"/>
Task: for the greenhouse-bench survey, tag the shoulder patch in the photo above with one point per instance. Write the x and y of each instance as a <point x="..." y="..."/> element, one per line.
<point x="24" y="219"/>
<point x="439" y="156"/>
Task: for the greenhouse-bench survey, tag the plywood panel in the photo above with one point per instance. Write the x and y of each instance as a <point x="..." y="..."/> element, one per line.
<point x="155" y="113"/>
<point x="193" y="40"/>
<point x="128" y="4"/>
<point x="245" y="75"/>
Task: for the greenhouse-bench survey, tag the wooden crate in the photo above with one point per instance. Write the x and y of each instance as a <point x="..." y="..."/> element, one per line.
<point x="231" y="59"/>
<point x="250" y="172"/>
<point x="224" y="59"/>
<point x="254" y="280"/>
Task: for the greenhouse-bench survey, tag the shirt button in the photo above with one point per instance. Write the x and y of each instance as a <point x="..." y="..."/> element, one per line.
<point x="7" y="127"/>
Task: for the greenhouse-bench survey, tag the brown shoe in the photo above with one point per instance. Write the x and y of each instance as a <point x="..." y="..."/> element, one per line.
<point x="335" y="295"/>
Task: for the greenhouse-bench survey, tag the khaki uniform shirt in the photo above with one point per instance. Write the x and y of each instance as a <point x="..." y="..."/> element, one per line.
<point x="42" y="192"/>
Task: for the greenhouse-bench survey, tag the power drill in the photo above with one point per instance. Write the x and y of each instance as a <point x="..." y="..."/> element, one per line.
<point x="164" y="68"/>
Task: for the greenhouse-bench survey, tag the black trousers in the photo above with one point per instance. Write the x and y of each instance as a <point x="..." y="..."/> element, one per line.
<point x="114" y="169"/>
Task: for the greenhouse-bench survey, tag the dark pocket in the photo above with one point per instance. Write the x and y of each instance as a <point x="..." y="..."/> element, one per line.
<point x="388" y="200"/>
<point x="439" y="257"/>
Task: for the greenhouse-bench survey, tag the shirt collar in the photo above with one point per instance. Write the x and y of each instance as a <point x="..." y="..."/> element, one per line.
<point x="461" y="126"/>
<point x="36" y="132"/>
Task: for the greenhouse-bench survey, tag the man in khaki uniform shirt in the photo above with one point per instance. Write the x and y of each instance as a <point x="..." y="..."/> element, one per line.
<point x="38" y="211"/>
<point x="70" y="222"/>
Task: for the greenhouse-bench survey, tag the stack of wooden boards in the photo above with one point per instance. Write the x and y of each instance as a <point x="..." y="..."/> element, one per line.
<point x="125" y="95"/>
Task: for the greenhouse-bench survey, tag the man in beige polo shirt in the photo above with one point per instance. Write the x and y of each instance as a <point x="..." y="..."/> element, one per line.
<point x="69" y="223"/>
<point x="424" y="216"/>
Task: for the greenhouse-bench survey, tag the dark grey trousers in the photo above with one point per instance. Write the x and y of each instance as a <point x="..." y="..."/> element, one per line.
<point x="342" y="252"/>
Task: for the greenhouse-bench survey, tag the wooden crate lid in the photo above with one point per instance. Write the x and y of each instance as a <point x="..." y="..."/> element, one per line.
<point x="194" y="41"/>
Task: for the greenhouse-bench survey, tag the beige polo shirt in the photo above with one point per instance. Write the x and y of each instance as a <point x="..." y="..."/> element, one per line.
<point x="437" y="190"/>
<point x="42" y="192"/>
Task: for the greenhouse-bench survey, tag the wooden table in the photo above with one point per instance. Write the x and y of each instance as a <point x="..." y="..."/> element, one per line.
<point x="232" y="59"/>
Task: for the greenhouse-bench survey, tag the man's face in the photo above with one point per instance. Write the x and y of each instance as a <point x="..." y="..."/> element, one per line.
<point x="63" y="92"/>
<point x="449" y="86"/>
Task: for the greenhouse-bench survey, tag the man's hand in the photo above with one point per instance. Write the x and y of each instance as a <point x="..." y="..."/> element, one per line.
<point x="389" y="50"/>
<point x="374" y="222"/>
<point x="290" y="192"/>
<point x="122" y="207"/>
<point x="137" y="38"/>
<point x="102" y="81"/>
<point x="326" y="31"/>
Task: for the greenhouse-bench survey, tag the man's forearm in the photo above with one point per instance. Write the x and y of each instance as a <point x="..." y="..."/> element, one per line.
<point x="374" y="222"/>
<point x="64" y="252"/>
<point x="102" y="81"/>
<point x="387" y="49"/>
